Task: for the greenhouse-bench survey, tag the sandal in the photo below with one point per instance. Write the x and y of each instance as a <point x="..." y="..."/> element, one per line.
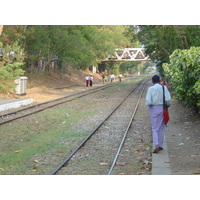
<point x="156" y="150"/>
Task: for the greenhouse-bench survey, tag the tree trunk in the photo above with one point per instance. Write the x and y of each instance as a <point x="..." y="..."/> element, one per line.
<point x="1" y="29"/>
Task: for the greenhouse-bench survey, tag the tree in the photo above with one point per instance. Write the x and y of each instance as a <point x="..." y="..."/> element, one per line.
<point x="12" y="33"/>
<point x="75" y="46"/>
<point x="130" y="67"/>
<point x="78" y="46"/>
<point x="161" y="40"/>
<point x="10" y="66"/>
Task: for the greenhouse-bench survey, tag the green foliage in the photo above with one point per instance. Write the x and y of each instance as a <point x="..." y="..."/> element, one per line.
<point x="161" y="40"/>
<point x="184" y="74"/>
<point x="130" y="67"/>
<point x="131" y="34"/>
<point x="10" y="66"/>
<point x="122" y="67"/>
<point x="115" y="68"/>
<point x="12" y="33"/>
<point x="75" y="45"/>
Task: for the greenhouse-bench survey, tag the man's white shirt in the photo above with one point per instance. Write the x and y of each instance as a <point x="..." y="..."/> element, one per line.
<point x="155" y="95"/>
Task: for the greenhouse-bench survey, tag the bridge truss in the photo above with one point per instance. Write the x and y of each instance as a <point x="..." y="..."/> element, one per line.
<point x="128" y="54"/>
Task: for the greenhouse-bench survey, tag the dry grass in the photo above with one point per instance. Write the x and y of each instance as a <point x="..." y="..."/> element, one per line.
<point x="40" y="85"/>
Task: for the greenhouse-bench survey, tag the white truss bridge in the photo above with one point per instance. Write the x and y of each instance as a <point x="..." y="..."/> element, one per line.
<point x="128" y="54"/>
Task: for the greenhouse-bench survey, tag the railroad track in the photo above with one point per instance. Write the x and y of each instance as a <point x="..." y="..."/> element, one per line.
<point x="101" y="133"/>
<point x="11" y="116"/>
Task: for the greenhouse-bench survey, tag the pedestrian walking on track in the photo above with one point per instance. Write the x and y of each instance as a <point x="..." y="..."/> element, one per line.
<point x="87" y="78"/>
<point x="91" y="79"/>
<point x="154" y="100"/>
<point x="103" y="78"/>
<point x="120" y="77"/>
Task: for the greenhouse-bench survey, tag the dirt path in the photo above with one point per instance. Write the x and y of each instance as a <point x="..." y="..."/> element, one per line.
<point x="183" y="140"/>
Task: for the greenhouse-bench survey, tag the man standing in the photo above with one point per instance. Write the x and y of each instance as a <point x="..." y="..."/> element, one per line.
<point x="112" y="77"/>
<point x="103" y="78"/>
<point x="120" y="77"/>
<point x="91" y="79"/>
<point x="154" y="99"/>
<point x="87" y="78"/>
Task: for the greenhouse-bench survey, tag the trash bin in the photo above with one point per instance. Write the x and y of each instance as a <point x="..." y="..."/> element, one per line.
<point x="21" y="85"/>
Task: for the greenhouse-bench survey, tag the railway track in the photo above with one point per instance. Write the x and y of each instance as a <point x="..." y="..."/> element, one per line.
<point x="11" y="116"/>
<point x="84" y="155"/>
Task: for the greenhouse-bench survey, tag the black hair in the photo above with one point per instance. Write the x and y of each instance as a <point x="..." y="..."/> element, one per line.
<point x="156" y="79"/>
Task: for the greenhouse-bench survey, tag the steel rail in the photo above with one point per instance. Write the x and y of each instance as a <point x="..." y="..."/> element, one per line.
<point x="25" y="115"/>
<point x="91" y="133"/>
<point x="125" y="134"/>
<point x="46" y="102"/>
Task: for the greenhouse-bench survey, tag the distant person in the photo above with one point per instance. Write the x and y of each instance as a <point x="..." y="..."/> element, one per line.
<point x="87" y="78"/>
<point x="154" y="100"/>
<point x="120" y="77"/>
<point x="163" y="81"/>
<point x="103" y="78"/>
<point x="112" y="77"/>
<point x="91" y="79"/>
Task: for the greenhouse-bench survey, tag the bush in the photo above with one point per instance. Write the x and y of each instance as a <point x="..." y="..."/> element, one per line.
<point x="10" y="67"/>
<point x="7" y="76"/>
<point x="184" y="74"/>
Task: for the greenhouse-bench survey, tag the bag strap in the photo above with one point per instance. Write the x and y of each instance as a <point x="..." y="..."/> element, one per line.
<point x="163" y="97"/>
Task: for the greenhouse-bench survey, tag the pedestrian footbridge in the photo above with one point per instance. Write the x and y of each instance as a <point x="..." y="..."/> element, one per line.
<point x="128" y="54"/>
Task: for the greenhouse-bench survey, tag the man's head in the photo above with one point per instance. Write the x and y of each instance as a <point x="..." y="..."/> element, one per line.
<point x="156" y="79"/>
